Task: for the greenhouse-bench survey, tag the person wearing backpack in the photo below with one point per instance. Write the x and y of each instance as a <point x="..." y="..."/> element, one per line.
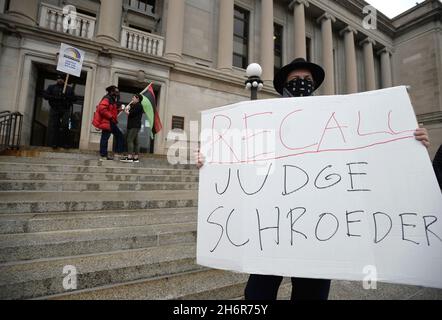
<point x="105" y="119"/>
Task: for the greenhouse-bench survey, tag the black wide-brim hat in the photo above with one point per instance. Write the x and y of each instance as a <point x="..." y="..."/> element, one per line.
<point x="317" y="71"/>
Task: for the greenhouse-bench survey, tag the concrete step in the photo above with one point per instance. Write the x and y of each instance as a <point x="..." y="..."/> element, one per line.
<point x="284" y="293"/>
<point x="90" y="160"/>
<point x="117" y="168"/>
<point x="39" y="278"/>
<point x="197" y="285"/>
<point x="353" y="290"/>
<point x="29" y="246"/>
<point x="46" y="222"/>
<point x="47" y="185"/>
<point x="41" y="202"/>
<point x="96" y="177"/>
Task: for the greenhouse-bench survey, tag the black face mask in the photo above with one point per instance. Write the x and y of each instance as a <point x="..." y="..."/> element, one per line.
<point x="298" y="88"/>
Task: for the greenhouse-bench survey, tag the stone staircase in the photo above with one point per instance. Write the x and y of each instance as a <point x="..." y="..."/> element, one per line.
<point x="128" y="229"/>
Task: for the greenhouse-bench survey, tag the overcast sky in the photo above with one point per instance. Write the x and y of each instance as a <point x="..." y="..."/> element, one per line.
<point x="392" y="8"/>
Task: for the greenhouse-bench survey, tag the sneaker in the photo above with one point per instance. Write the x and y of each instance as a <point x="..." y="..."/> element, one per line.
<point x="102" y="159"/>
<point x="127" y="160"/>
<point x="136" y="161"/>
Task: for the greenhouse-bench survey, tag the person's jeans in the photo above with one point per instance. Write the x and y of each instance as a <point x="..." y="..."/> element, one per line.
<point x="133" y="147"/>
<point x="58" y="127"/>
<point x="263" y="287"/>
<point x="118" y="140"/>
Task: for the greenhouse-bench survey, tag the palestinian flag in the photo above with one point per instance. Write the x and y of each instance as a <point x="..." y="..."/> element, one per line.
<point x="149" y="104"/>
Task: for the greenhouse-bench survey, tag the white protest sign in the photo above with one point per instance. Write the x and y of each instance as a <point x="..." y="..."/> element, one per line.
<point x="70" y="60"/>
<point x="320" y="187"/>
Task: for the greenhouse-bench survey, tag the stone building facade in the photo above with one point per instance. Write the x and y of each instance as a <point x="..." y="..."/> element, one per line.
<point x="196" y="52"/>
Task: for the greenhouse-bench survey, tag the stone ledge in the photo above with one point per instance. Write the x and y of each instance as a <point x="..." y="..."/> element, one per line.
<point x="430" y="118"/>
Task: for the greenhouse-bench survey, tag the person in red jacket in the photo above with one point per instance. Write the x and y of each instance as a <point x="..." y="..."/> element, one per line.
<point x="108" y="110"/>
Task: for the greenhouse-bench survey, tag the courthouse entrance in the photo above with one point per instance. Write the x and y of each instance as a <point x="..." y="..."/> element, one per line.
<point x="46" y="76"/>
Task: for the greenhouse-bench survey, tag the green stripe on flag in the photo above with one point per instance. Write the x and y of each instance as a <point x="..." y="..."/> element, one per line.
<point x="149" y="111"/>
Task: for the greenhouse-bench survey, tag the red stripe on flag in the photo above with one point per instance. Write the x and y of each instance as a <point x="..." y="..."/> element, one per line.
<point x="150" y="95"/>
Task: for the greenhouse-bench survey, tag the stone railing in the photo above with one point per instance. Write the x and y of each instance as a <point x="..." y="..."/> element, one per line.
<point x="141" y="41"/>
<point x="76" y="24"/>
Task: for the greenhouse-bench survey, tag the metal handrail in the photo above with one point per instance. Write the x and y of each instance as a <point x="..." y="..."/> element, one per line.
<point x="10" y="130"/>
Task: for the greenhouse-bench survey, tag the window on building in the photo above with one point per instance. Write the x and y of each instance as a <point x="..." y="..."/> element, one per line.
<point x="308" y="44"/>
<point x="140" y="28"/>
<point x="87" y="13"/>
<point x="241" y="38"/>
<point x="177" y="123"/>
<point x="147" y="6"/>
<point x="278" y="29"/>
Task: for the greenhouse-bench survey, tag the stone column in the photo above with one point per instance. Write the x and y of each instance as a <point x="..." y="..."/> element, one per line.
<point x="109" y="22"/>
<point x="25" y="11"/>
<point x="175" y="29"/>
<point x="370" y="79"/>
<point x="326" y="21"/>
<point x="350" y="56"/>
<point x="299" y="17"/>
<point x="225" y="34"/>
<point x="387" y="80"/>
<point x="267" y="41"/>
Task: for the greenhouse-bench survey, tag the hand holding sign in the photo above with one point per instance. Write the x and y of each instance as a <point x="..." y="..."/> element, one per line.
<point x="421" y="134"/>
<point x="199" y="159"/>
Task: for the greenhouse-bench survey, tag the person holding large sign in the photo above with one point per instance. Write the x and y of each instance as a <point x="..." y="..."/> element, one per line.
<point x="298" y="79"/>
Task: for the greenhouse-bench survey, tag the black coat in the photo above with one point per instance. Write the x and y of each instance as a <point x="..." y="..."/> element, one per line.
<point x="58" y="100"/>
<point x="437" y="165"/>
<point x="135" y="116"/>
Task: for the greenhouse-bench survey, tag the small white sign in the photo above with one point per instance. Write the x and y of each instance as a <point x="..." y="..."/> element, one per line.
<point x="70" y="60"/>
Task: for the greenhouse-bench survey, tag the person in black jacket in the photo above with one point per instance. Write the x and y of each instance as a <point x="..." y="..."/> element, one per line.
<point x="60" y="103"/>
<point x="297" y="79"/>
<point x="135" y="114"/>
<point x="437" y="165"/>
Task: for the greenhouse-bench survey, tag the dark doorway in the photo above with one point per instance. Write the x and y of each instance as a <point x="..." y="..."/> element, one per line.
<point x="46" y="76"/>
<point x="127" y="89"/>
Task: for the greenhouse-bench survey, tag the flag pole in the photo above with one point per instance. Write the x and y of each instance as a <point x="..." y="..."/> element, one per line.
<point x="147" y="88"/>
